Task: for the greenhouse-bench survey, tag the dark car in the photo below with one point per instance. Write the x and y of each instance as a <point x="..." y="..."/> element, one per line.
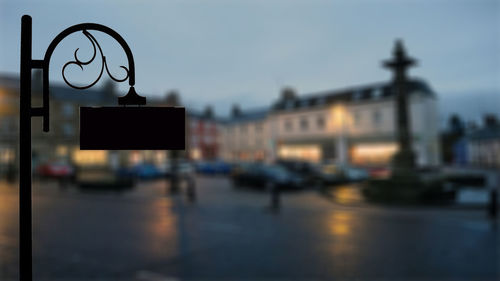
<point x="266" y="176"/>
<point x="310" y="172"/>
<point x="101" y="178"/>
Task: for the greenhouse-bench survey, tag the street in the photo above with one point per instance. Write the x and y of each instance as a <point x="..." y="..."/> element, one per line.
<point x="230" y="234"/>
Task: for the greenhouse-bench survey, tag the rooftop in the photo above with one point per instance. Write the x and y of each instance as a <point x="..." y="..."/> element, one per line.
<point x="352" y="94"/>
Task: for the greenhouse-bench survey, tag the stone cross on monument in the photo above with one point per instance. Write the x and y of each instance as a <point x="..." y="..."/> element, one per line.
<point x="404" y="159"/>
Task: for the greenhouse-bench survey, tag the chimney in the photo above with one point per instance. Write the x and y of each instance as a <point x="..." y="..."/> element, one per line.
<point x="235" y="111"/>
<point x="288" y="93"/>
<point x="208" y="112"/>
<point x="490" y="121"/>
<point x="172" y="98"/>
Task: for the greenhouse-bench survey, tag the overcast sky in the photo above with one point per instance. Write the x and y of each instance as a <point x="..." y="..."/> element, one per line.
<point x="224" y="51"/>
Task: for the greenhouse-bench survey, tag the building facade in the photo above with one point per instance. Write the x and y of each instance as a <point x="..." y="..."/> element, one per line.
<point x="246" y="136"/>
<point x="205" y="132"/>
<point x="483" y="144"/>
<point x="354" y="125"/>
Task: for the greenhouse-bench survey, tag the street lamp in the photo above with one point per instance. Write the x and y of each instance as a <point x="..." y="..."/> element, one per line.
<point x="100" y="127"/>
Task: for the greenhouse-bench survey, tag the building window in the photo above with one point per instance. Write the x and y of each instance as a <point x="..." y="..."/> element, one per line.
<point x="243" y="129"/>
<point x="7" y="124"/>
<point x="68" y="109"/>
<point x="357" y="117"/>
<point x="304" y="123"/>
<point x="357" y="95"/>
<point x="289" y="104"/>
<point x="288" y="125"/>
<point x="194" y="124"/>
<point x="320" y="122"/>
<point x="68" y="129"/>
<point x="377" y="117"/>
<point x="377" y="93"/>
<point x="259" y="127"/>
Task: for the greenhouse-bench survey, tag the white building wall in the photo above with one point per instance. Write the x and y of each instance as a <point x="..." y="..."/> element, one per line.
<point x="365" y="119"/>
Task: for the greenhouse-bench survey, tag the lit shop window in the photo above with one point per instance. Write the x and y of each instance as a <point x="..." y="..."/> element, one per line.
<point x="160" y="157"/>
<point x="303" y="152"/>
<point x="373" y="153"/>
<point x="90" y="157"/>
<point x="61" y="150"/>
<point x="195" y="154"/>
<point x="6" y="155"/>
<point x="136" y="157"/>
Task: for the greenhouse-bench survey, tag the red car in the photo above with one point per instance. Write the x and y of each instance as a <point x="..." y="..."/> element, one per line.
<point x="55" y="170"/>
<point x="379" y="172"/>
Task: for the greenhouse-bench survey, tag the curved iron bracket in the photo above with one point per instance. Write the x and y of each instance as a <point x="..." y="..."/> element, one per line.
<point x="132" y="98"/>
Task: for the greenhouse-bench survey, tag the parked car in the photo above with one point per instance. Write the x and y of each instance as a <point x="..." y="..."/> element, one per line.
<point x="147" y="171"/>
<point x="327" y="174"/>
<point x="100" y="178"/>
<point x="308" y="171"/>
<point x="335" y="173"/>
<point x="351" y="173"/>
<point x="184" y="168"/>
<point x="140" y="171"/>
<point x="379" y="172"/>
<point x="213" y="168"/>
<point x="56" y="169"/>
<point x="330" y="174"/>
<point x="265" y="176"/>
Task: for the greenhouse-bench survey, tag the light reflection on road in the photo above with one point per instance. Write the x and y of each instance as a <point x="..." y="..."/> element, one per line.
<point x="339" y="223"/>
<point x="346" y="194"/>
<point x="162" y="228"/>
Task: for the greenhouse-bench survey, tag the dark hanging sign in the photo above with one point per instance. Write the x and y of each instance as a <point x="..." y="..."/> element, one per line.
<point x="132" y="128"/>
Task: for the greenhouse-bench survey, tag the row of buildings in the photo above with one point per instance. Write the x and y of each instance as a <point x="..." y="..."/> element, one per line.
<point x="351" y="125"/>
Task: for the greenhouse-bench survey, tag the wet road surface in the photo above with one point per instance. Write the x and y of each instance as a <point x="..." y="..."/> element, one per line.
<point x="229" y="234"/>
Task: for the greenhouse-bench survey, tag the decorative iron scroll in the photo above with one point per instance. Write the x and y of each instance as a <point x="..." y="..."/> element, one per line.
<point x="80" y="64"/>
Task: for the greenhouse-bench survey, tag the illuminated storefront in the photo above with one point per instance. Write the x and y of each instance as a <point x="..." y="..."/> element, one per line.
<point x="90" y="157"/>
<point x="312" y="153"/>
<point x="379" y="153"/>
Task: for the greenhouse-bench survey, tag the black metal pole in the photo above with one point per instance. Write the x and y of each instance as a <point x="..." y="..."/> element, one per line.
<point x="275" y="197"/>
<point x="493" y="204"/>
<point x="174" y="166"/>
<point x="26" y="112"/>
<point x="25" y="234"/>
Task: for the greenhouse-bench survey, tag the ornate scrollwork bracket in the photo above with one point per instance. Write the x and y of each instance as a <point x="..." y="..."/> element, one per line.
<point x="132" y="98"/>
<point x="80" y="64"/>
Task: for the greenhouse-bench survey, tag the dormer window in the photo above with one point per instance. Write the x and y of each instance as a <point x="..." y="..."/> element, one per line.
<point x="358" y="95"/>
<point x="289" y="104"/>
<point x="377" y="93"/>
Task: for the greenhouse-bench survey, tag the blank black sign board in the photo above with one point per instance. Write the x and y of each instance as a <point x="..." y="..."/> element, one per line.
<point x="132" y="128"/>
